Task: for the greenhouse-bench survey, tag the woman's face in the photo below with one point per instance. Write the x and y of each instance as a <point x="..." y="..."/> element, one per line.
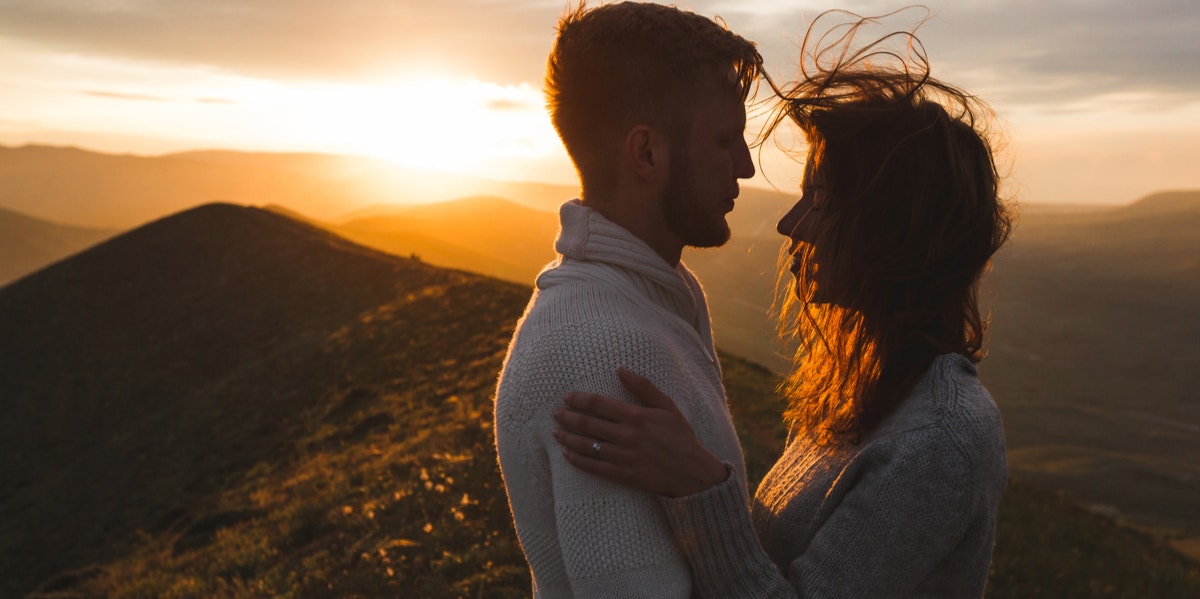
<point x="799" y="225"/>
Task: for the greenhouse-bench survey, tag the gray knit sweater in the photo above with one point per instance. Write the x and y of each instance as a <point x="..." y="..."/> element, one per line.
<point x="609" y="301"/>
<point x="909" y="512"/>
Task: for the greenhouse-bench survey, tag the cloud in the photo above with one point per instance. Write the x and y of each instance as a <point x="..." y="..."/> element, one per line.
<point x="505" y="104"/>
<point x="121" y="96"/>
<point x="149" y="98"/>
<point x="1031" y="51"/>
<point x="1016" y="51"/>
<point x="1064" y="51"/>
<point x="298" y="39"/>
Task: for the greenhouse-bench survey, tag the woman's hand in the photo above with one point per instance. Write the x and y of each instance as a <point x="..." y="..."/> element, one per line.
<point x="650" y="448"/>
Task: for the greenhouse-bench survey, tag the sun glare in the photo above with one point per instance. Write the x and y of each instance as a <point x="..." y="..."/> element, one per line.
<point x="425" y="121"/>
<point x="445" y="125"/>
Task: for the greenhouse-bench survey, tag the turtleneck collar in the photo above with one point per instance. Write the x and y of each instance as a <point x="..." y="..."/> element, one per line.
<point x="587" y="236"/>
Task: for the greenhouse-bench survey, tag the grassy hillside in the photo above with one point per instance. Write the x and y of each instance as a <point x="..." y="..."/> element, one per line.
<point x="27" y="244"/>
<point x="1094" y="358"/>
<point x="148" y="377"/>
<point x="256" y="408"/>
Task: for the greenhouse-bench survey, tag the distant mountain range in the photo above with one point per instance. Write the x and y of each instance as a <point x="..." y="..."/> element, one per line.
<point x="27" y="244"/>
<point x="494" y="236"/>
<point x="90" y="189"/>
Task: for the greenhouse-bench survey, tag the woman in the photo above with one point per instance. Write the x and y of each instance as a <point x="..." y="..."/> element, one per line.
<point x="895" y="462"/>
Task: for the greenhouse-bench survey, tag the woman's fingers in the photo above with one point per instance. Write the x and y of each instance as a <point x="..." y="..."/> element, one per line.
<point x="595" y="466"/>
<point x="650" y="447"/>
<point x="585" y="446"/>
<point x="600" y="406"/>
<point x="650" y="395"/>
<point x="587" y="424"/>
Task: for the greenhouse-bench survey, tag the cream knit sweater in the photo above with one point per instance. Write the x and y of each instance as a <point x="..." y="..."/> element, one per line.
<point x="608" y="301"/>
<point x="909" y="512"/>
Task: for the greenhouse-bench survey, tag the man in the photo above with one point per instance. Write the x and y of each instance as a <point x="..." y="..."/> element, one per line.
<point x="649" y="102"/>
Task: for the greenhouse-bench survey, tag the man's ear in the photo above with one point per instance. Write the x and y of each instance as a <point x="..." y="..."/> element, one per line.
<point x="646" y="153"/>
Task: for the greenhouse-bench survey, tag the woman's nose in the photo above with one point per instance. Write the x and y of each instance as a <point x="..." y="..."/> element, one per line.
<point x="787" y="225"/>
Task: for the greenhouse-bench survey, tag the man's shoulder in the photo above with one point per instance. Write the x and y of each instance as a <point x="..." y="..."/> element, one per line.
<point x="578" y="301"/>
<point x="565" y="337"/>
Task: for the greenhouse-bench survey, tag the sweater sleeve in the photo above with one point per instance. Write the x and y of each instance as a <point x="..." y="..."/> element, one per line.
<point x="714" y="530"/>
<point x="903" y="507"/>
<point x="611" y="541"/>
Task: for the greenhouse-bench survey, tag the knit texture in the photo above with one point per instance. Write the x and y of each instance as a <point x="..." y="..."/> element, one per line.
<point x="909" y="512"/>
<point x="608" y="301"/>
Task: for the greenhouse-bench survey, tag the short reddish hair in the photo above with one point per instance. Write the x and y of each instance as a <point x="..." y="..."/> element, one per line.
<point x="620" y="65"/>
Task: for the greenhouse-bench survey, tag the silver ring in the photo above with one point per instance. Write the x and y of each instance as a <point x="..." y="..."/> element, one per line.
<point x="596" y="445"/>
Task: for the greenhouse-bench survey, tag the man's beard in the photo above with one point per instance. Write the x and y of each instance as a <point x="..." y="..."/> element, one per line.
<point x="685" y="216"/>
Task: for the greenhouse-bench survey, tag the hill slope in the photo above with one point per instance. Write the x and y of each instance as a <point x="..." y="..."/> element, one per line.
<point x="146" y="375"/>
<point x="1094" y="358"/>
<point x="27" y="244"/>
<point x="484" y="234"/>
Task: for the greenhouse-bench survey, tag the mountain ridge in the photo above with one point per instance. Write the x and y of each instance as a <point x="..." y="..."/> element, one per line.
<point x="28" y="244"/>
<point x="220" y="312"/>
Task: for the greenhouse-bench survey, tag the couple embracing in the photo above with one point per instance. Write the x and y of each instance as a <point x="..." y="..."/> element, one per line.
<point x="623" y="469"/>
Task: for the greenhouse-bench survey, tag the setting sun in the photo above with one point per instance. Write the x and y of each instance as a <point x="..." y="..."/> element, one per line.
<point x="429" y="124"/>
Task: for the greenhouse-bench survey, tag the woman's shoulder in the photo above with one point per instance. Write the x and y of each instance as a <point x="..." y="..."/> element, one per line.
<point x="949" y="410"/>
<point x="964" y="407"/>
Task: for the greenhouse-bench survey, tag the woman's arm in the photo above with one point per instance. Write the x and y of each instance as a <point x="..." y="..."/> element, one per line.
<point x="902" y="508"/>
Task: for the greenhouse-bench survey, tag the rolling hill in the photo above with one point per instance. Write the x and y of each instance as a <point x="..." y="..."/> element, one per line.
<point x="230" y="402"/>
<point x="1094" y="358"/>
<point x="146" y="376"/>
<point x="485" y="234"/>
<point x="27" y="244"/>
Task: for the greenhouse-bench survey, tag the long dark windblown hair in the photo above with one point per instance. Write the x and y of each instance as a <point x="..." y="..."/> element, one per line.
<point x="911" y="218"/>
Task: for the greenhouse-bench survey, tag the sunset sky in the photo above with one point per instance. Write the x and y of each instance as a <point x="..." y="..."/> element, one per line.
<point x="1101" y="97"/>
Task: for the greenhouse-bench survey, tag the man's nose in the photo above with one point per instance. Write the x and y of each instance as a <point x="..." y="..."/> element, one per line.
<point x="745" y="166"/>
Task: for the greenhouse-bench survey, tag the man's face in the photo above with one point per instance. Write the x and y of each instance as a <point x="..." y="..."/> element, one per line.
<point x="705" y="169"/>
